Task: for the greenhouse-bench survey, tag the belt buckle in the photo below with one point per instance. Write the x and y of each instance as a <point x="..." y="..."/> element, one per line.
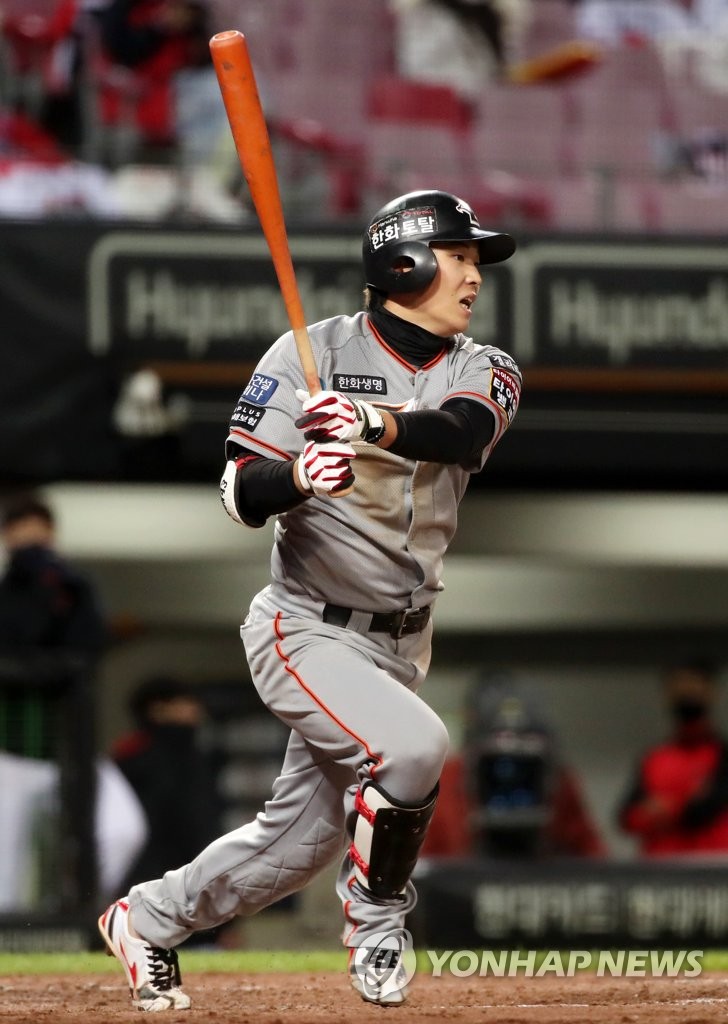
<point x="399" y="626"/>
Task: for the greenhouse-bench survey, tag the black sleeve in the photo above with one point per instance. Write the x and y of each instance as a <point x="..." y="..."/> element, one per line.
<point x="456" y="434"/>
<point x="263" y="487"/>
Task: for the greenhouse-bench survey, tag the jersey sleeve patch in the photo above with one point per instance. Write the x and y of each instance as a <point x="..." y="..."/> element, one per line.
<point x="246" y="415"/>
<point x="503" y="361"/>
<point x="505" y="391"/>
<point x="260" y="389"/>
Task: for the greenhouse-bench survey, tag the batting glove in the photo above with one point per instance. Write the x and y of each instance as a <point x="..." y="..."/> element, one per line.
<point x="331" y="416"/>
<point x="325" y="469"/>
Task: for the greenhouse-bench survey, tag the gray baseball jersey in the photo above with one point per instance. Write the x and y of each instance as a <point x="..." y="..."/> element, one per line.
<point x="380" y="548"/>
<point x="349" y="695"/>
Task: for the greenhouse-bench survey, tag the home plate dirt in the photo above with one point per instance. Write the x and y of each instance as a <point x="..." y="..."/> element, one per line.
<point x="327" y="999"/>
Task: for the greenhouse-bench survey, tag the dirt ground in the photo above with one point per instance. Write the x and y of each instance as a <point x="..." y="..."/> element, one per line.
<point x="327" y="999"/>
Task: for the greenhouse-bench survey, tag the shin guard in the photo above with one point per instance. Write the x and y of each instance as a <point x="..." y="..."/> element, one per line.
<point x="387" y="836"/>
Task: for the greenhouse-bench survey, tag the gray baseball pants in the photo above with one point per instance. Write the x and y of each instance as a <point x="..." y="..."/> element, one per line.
<point x="351" y="703"/>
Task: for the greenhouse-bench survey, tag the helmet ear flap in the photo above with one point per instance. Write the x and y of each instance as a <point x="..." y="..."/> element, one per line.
<point x="405" y="267"/>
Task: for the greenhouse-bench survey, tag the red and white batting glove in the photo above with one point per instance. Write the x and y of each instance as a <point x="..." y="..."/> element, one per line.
<point x="325" y="469"/>
<point x="331" y="416"/>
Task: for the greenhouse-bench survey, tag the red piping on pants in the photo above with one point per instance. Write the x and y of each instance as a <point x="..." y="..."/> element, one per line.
<point x="284" y="658"/>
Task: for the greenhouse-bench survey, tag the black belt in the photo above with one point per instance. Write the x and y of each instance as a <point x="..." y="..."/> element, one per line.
<point x="397" y="624"/>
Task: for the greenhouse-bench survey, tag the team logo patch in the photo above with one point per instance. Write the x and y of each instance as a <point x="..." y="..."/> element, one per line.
<point x="505" y="391"/>
<point x="260" y="388"/>
<point x="360" y="383"/>
<point x="404" y="224"/>
<point x="469" y="213"/>
<point x="504" y="361"/>
<point x="246" y="415"/>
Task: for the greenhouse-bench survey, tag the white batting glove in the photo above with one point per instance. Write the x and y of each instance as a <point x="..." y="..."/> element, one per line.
<point x="325" y="469"/>
<point x="331" y="416"/>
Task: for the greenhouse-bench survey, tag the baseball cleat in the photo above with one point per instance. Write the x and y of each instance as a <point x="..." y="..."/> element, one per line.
<point x="386" y="987"/>
<point x="153" y="973"/>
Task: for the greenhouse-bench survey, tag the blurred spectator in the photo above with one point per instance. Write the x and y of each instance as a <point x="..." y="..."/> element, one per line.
<point x="41" y="123"/>
<point x="461" y="43"/>
<point x="510" y="793"/>
<point x="51" y="626"/>
<point x="46" y="604"/>
<point x="41" y="61"/>
<point x="674" y="26"/>
<point x="158" y="39"/>
<point x="703" y="155"/>
<point x="702" y="46"/>
<point x="678" y="801"/>
<point x="615" y="22"/>
<point x="166" y="764"/>
<point x="179" y="110"/>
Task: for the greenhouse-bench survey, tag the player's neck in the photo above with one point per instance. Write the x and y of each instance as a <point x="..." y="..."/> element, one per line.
<point x="412" y="342"/>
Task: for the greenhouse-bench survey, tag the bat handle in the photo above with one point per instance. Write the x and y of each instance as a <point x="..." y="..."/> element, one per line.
<point x="310" y="373"/>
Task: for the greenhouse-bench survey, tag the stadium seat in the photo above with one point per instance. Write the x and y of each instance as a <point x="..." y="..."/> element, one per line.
<point x="415" y="126"/>
<point x="620" y="110"/>
<point x="526" y="129"/>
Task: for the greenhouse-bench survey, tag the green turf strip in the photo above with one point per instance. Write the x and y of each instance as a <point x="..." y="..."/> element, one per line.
<point x="242" y="961"/>
<point x="255" y="961"/>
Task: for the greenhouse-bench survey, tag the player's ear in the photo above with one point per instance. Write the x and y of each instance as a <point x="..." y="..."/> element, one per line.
<point x="374" y="298"/>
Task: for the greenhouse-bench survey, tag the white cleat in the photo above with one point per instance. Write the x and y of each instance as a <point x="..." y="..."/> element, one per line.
<point x="384" y="985"/>
<point x="153" y="973"/>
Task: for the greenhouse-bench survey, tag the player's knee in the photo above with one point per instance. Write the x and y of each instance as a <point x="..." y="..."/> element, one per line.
<point x="424" y="759"/>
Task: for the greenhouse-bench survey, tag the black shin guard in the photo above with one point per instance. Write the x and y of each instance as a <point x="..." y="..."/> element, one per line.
<point x="388" y="835"/>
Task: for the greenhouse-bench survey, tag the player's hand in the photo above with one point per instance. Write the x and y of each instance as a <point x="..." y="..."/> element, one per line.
<point x="331" y="416"/>
<point x="325" y="469"/>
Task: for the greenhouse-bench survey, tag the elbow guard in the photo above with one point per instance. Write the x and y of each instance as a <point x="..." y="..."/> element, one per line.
<point x="229" y="490"/>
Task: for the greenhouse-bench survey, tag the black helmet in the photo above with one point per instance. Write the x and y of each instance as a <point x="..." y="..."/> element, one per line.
<point x="402" y="231"/>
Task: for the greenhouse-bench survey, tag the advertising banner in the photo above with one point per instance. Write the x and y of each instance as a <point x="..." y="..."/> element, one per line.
<point x="85" y="307"/>
<point x="499" y="904"/>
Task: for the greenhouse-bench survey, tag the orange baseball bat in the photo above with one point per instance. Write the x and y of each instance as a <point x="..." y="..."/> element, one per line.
<point x="235" y="75"/>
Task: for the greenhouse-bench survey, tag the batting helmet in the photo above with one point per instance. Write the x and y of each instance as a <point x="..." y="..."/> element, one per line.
<point x="396" y="249"/>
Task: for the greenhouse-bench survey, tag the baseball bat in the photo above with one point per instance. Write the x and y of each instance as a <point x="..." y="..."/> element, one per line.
<point x="236" y="78"/>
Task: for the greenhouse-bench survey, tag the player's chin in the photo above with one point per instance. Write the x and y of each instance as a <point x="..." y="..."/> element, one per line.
<point x="461" y="318"/>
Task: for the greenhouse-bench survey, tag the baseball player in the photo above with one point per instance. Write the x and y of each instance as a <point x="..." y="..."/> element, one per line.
<point x="365" y="479"/>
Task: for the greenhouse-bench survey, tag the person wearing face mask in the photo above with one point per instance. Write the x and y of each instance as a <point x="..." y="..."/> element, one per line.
<point x="53" y="636"/>
<point x="171" y="774"/>
<point x="49" y="609"/>
<point x="678" y="802"/>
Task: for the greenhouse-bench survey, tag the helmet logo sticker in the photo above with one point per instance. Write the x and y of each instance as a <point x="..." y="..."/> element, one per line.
<point x="403" y="225"/>
<point x="464" y="208"/>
